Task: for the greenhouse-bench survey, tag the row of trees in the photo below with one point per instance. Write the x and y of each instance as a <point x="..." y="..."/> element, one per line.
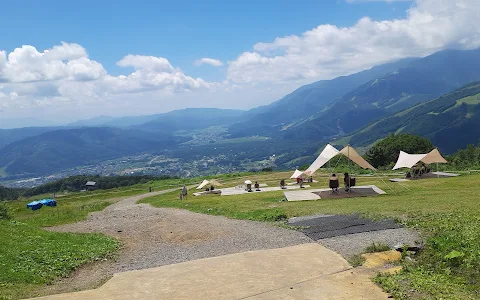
<point x="385" y="153"/>
<point x="77" y="183"/>
<point x="10" y="194"/>
<point x="468" y="158"/>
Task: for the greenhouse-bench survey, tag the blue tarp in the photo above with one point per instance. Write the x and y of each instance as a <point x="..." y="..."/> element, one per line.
<point x="34" y="205"/>
<point x="48" y="202"/>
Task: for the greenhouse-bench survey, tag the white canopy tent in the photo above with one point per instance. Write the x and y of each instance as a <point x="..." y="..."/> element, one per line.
<point x="330" y="152"/>
<point x="204" y="183"/>
<point x="296" y="174"/>
<point x="406" y="160"/>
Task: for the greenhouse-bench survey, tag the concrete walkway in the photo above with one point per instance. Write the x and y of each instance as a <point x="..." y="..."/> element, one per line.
<point x="308" y="271"/>
<point x="309" y="194"/>
<point x="240" y="190"/>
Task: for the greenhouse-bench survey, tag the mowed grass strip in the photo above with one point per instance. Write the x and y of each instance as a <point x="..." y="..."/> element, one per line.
<point x="31" y="257"/>
<point x="446" y="210"/>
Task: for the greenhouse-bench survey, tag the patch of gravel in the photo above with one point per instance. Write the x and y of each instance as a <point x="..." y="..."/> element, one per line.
<point x="155" y="237"/>
<point x="352" y="244"/>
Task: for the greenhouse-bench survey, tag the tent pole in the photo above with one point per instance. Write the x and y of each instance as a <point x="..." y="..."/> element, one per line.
<point x="438" y="175"/>
<point x="349" y="171"/>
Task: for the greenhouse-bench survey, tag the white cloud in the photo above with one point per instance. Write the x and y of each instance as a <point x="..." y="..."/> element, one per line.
<point x="65" y="74"/>
<point x="328" y="51"/>
<point x="208" y="61"/>
<point x="64" y="80"/>
<point x="388" y="1"/>
<point x="151" y="63"/>
<point x="65" y="61"/>
<point x="152" y="73"/>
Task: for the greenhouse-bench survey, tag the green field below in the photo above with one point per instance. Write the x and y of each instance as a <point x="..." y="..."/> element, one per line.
<point x="445" y="210"/>
<point x="31" y="257"/>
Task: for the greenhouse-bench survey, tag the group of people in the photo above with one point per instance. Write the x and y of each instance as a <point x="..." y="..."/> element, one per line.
<point x="211" y="188"/>
<point x="417" y="171"/>
<point x="256" y="186"/>
<point x="347" y="182"/>
<point x="300" y="182"/>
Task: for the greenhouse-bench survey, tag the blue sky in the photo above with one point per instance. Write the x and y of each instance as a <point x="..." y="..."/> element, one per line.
<point x="60" y="58"/>
<point x="182" y="31"/>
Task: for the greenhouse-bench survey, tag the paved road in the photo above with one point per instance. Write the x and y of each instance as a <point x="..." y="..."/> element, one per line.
<point x="308" y="271"/>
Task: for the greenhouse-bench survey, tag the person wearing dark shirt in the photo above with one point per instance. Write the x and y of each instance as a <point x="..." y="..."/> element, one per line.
<point x="346" y="181"/>
<point x="282" y="184"/>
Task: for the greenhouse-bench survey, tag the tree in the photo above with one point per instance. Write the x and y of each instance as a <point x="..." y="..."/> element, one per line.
<point x="387" y="150"/>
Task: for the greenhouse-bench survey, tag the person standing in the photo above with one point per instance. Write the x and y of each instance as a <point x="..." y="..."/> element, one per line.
<point x="184" y="192"/>
<point x="346" y="182"/>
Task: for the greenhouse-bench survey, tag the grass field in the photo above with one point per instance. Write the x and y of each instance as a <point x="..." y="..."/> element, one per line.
<point x="445" y="210"/>
<point x="31" y="257"/>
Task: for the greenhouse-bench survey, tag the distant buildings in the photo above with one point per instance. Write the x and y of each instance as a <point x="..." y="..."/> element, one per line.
<point x="90" y="185"/>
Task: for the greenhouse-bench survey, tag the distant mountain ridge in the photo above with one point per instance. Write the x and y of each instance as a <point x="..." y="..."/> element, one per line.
<point x="308" y="100"/>
<point x="57" y="150"/>
<point x="422" y="80"/>
<point x="191" y="119"/>
<point x="188" y="118"/>
<point x="184" y="119"/>
<point x="8" y="136"/>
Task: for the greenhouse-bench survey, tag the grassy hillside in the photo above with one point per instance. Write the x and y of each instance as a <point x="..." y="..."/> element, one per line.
<point x="447" y="269"/>
<point x="450" y="122"/>
<point x="449" y="219"/>
<point x="32" y="257"/>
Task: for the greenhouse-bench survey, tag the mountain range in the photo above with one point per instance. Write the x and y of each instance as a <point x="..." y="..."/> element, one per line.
<point x="413" y="81"/>
<point x="448" y="121"/>
<point x="402" y="96"/>
<point x="67" y="148"/>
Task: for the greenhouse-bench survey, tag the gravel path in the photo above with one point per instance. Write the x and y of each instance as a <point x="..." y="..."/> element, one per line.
<point x="348" y="245"/>
<point x="352" y="244"/>
<point x="154" y="237"/>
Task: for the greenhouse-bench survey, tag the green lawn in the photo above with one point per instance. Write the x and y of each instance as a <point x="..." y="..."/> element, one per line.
<point x="31" y="257"/>
<point x="445" y="210"/>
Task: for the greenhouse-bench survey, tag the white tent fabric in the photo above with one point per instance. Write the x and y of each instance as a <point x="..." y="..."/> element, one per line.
<point x="406" y="160"/>
<point x="328" y="153"/>
<point x="204" y="183"/>
<point x="296" y="174"/>
<point x="353" y="155"/>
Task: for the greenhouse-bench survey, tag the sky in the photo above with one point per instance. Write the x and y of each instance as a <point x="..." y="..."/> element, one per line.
<point x="67" y="60"/>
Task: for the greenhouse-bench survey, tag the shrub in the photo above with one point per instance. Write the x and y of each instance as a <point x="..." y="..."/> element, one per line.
<point x="387" y="150"/>
<point x="4" y="212"/>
